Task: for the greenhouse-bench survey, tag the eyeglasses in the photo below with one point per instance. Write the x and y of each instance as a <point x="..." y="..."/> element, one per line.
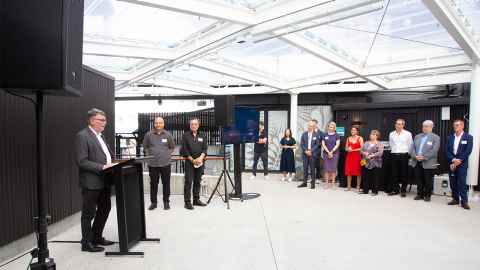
<point x="100" y="119"/>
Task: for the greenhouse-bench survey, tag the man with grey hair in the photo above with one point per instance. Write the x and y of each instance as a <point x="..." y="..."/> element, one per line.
<point x="424" y="153"/>
<point x="93" y="156"/>
<point x="159" y="144"/>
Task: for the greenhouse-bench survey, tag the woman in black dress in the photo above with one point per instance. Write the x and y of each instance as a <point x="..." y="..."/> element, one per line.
<point x="287" y="163"/>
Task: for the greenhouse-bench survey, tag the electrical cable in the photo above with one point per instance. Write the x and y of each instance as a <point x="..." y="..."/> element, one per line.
<point x="21" y="96"/>
<point x="376" y="33"/>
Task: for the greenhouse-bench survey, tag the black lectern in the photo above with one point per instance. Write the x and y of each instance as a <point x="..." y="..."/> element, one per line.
<point x="127" y="178"/>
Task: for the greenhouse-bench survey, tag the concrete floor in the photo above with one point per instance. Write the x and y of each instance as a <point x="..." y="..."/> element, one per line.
<point x="289" y="228"/>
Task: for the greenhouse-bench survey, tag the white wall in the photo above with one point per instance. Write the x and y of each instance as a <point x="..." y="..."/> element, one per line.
<point x="126" y="112"/>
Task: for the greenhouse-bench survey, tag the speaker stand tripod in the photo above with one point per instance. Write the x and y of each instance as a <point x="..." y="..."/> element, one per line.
<point x="223" y="177"/>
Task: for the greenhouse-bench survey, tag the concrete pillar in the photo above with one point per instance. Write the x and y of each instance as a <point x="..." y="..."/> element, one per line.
<point x="474" y="125"/>
<point x="294" y="115"/>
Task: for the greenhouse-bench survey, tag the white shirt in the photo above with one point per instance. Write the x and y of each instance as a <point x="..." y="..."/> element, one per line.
<point x="310" y="135"/>
<point x="400" y="143"/>
<point x="456" y="143"/>
<point x="103" y="145"/>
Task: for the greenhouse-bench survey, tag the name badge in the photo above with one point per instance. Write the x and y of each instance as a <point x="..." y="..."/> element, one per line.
<point x="164" y="140"/>
<point x="314" y="138"/>
<point x="200" y="139"/>
<point x="430" y="143"/>
<point x="464" y="142"/>
<point x="326" y="138"/>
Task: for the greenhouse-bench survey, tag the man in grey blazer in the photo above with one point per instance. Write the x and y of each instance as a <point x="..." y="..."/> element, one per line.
<point x="424" y="154"/>
<point x="93" y="156"/>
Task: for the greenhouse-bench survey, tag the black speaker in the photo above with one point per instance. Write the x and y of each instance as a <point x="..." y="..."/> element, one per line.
<point x="224" y="110"/>
<point x="41" y="46"/>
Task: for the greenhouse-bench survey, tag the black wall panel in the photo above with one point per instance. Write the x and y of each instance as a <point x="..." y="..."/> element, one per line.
<point x="65" y="116"/>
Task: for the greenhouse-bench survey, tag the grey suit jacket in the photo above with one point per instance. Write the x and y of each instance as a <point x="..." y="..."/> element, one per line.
<point x="90" y="159"/>
<point x="429" y="151"/>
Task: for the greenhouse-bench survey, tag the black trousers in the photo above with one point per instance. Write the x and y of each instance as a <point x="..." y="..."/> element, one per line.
<point x="318" y="168"/>
<point x="192" y="176"/>
<point x="399" y="172"/>
<point x="424" y="180"/>
<point x="371" y="180"/>
<point x="264" y="157"/>
<point x="309" y="168"/>
<point x="96" y="205"/>
<point x="155" y="173"/>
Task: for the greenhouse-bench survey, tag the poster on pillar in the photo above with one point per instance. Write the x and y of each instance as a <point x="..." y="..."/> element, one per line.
<point x="323" y="114"/>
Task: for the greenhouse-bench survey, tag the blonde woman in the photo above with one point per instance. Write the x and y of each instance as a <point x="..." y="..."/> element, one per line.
<point x="330" y="146"/>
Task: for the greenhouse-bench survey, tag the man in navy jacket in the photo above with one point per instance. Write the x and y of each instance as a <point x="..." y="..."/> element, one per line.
<point x="459" y="147"/>
<point x="310" y="145"/>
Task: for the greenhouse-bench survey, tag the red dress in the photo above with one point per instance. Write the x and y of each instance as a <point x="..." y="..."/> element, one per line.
<point x="353" y="159"/>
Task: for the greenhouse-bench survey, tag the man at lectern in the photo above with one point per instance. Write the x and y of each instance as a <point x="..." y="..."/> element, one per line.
<point x="159" y="144"/>
<point x="93" y="156"/>
<point x="194" y="149"/>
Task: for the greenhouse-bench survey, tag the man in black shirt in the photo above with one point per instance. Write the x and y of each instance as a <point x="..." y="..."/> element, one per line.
<point x="260" y="151"/>
<point x="194" y="149"/>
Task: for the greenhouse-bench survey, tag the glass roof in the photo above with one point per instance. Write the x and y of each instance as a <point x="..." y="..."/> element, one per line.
<point x="144" y="25"/>
<point x="406" y="30"/>
<point x="277" y="58"/>
<point x="365" y="33"/>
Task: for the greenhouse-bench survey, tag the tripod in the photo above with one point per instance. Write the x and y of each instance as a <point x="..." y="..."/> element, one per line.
<point x="223" y="176"/>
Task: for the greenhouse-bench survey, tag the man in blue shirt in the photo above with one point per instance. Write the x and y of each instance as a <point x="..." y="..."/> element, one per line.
<point x="459" y="147"/>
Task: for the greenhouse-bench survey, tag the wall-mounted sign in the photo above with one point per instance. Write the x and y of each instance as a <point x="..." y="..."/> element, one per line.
<point x="446" y="113"/>
<point x="341" y="131"/>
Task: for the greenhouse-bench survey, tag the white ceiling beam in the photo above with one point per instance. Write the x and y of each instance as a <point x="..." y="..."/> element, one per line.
<point x="401" y="84"/>
<point x="453" y="23"/>
<point x="332" y="58"/>
<point x="433" y="80"/>
<point x="419" y="64"/>
<point x="111" y="50"/>
<point x="200" y="8"/>
<point x="237" y="73"/>
<point x="186" y="86"/>
<point x="390" y="68"/>
<point x="337" y="88"/>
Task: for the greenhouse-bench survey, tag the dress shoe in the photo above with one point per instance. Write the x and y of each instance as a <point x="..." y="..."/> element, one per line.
<point x="89" y="247"/>
<point x="199" y="203"/>
<point x="465" y="206"/>
<point x="418" y="197"/>
<point x="427" y="198"/>
<point x="312" y="187"/>
<point x="152" y="206"/>
<point x="374" y="193"/>
<point x="189" y="206"/>
<point x="103" y="242"/>
<point x="393" y="193"/>
<point x="302" y="185"/>
<point x="403" y="194"/>
<point x="453" y="202"/>
<point x="166" y="206"/>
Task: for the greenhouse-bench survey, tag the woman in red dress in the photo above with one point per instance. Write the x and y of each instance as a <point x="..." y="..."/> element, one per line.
<point x="353" y="166"/>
